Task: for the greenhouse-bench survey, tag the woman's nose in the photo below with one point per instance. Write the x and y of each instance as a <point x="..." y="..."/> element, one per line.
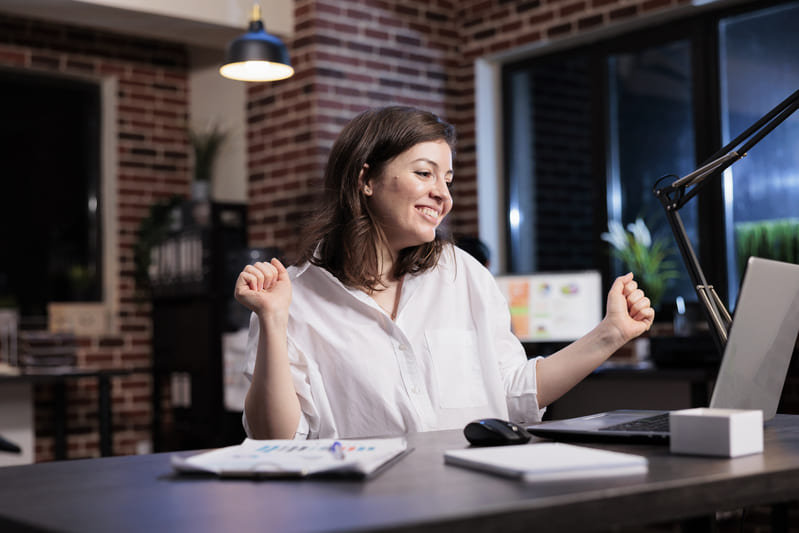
<point x="441" y="189"/>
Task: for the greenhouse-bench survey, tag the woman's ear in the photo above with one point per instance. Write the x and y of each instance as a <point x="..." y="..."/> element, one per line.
<point x="365" y="186"/>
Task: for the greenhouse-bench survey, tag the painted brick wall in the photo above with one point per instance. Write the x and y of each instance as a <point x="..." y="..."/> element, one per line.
<point x="152" y="164"/>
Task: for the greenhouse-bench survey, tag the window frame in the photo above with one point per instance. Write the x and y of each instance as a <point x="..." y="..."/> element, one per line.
<point x="97" y="316"/>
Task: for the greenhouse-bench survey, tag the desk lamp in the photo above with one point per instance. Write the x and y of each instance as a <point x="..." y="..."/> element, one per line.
<point x="257" y="55"/>
<point x="676" y="194"/>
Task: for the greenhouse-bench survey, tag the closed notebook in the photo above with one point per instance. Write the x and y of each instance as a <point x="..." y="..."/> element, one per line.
<point x="548" y="461"/>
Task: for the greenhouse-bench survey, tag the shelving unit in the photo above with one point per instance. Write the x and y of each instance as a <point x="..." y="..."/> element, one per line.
<point x="192" y="276"/>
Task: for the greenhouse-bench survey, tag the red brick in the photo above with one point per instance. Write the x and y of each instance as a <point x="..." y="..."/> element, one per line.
<point x="12" y="58"/>
<point x="573" y="8"/>
<point x="651" y="5"/>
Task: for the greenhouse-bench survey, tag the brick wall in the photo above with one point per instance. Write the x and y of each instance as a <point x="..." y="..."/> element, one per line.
<point x="152" y="163"/>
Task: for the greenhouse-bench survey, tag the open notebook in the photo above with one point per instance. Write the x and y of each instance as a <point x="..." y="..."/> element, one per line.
<point x="296" y="458"/>
<point x="753" y="368"/>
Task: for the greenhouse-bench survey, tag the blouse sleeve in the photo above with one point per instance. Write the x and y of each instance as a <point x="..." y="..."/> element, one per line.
<point x="299" y="378"/>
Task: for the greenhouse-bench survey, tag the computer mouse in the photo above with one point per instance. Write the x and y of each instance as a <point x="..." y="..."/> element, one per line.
<point x="495" y="432"/>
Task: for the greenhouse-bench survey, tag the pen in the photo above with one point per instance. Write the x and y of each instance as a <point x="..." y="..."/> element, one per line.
<point x="337" y="451"/>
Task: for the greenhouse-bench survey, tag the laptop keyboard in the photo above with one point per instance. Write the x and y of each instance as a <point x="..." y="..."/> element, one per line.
<point x="656" y="423"/>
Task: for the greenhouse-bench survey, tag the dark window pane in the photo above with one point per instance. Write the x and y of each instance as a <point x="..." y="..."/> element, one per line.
<point x="651" y="133"/>
<point x="759" y="68"/>
<point x="49" y="142"/>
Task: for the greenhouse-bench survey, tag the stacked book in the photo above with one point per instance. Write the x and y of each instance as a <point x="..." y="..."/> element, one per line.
<point x="48" y="352"/>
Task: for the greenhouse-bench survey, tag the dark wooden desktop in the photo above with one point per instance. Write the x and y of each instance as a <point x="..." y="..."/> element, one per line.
<point x="419" y="493"/>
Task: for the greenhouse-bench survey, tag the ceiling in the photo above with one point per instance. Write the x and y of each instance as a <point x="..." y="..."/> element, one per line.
<point x="201" y="23"/>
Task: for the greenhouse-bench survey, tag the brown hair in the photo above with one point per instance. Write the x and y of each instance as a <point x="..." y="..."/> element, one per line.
<point x="343" y="236"/>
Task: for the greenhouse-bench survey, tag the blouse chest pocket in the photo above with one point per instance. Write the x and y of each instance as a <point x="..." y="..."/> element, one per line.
<point x="457" y="368"/>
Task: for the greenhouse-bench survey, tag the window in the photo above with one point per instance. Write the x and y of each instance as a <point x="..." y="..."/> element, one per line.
<point x="758" y="69"/>
<point x="641" y="106"/>
<point x="650" y="132"/>
<point x="49" y="207"/>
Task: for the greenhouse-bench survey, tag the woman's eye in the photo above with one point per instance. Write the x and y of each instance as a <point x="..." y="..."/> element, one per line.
<point x="424" y="173"/>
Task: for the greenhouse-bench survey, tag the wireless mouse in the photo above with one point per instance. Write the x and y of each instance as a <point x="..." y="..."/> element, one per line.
<point x="495" y="432"/>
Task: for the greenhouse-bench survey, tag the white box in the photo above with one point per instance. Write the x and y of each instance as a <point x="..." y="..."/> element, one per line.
<point x="719" y="432"/>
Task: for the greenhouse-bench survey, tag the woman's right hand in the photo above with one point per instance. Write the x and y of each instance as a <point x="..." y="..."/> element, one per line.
<point x="271" y="405"/>
<point x="264" y="288"/>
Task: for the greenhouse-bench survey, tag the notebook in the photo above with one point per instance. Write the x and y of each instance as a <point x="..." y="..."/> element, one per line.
<point x="293" y="458"/>
<point x="752" y="371"/>
<point x="548" y="461"/>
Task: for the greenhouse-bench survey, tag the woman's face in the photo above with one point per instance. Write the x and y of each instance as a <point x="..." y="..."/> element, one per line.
<point x="411" y="197"/>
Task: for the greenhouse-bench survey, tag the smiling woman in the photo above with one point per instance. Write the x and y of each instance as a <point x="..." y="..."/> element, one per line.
<point x="384" y="327"/>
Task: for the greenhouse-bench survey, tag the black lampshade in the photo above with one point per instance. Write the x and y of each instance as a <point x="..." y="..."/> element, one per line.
<point x="257" y="55"/>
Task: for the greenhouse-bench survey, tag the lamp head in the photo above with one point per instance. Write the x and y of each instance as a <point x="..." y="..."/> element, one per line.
<point x="257" y="55"/>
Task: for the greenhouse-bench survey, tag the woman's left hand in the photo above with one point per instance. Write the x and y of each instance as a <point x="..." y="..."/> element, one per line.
<point x="629" y="314"/>
<point x="629" y="310"/>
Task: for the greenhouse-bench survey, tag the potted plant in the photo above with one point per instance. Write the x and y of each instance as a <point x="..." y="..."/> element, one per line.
<point x="650" y="260"/>
<point x="206" y="145"/>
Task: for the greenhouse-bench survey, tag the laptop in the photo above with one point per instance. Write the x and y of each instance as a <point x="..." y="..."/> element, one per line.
<point x="753" y="367"/>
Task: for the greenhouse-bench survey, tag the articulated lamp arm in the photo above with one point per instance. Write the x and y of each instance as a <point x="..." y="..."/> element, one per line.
<point x="676" y="194"/>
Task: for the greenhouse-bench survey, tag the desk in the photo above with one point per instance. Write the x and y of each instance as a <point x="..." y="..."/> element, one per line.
<point x="419" y="493"/>
<point x="59" y="380"/>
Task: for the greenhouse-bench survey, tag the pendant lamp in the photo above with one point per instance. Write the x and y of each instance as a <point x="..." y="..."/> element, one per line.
<point x="257" y="55"/>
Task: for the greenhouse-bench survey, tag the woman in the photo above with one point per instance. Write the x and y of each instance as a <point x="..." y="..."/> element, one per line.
<point x="383" y="327"/>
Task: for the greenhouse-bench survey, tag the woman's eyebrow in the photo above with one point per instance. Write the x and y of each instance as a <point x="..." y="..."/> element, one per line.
<point x="431" y="162"/>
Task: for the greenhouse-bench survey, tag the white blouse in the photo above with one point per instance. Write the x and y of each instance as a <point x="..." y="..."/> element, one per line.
<point x="449" y="358"/>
